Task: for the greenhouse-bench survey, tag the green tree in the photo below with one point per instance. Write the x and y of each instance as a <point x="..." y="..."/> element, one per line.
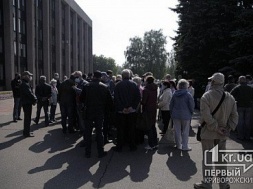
<point x="147" y="54"/>
<point x="242" y="38"/>
<point x="204" y="36"/>
<point x="103" y="64"/>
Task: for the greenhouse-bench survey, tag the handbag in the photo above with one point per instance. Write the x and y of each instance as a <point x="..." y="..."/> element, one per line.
<point x="198" y="137"/>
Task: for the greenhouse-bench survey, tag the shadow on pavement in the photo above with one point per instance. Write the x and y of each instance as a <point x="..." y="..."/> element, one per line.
<point x="125" y="164"/>
<point x="6" y="124"/>
<point x="181" y="165"/>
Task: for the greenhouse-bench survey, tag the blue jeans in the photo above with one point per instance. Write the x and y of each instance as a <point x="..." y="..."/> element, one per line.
<point x="16" y="108"/>
<point x="243" y="126"/>
<point x="152" y="136"/>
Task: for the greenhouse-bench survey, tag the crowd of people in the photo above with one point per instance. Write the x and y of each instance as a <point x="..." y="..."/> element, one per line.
<point x="102" y="102"/>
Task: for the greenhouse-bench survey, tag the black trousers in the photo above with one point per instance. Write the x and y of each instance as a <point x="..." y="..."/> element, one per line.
<point x="27" y="108"/>
<point x="45" y="108"/>
<point x="166" y="119"/>
<point x="97" y="122"/>
<point x="126" y="126"/>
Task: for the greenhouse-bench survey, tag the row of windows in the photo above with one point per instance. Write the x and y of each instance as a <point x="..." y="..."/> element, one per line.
<point x="22" y="49"/>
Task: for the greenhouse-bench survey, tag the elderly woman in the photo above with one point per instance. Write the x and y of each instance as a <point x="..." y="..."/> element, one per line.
<point x="182" y="107"/>
<point x="149" y="103"/>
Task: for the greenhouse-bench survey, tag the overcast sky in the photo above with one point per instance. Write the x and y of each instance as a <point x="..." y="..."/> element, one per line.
<point x="116" y="21"/>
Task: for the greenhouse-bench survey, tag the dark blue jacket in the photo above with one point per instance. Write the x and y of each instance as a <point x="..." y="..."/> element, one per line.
<point x="126" y="94"/>
<point x="26" y="94"/>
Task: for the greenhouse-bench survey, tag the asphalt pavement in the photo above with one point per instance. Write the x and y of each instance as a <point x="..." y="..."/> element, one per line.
<point x="52" y="160"/>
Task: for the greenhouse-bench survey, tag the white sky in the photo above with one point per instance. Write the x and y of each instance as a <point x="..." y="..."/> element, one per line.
<point x="116" y="21"/>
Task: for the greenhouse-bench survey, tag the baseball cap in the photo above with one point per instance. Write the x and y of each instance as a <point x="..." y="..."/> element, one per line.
<point x="217" y="78"/>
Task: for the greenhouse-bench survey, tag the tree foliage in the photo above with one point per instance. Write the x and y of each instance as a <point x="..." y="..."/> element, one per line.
<point x="147" y="54"/>
<point x="214" y="35"/>
<point x="103" y="64"/>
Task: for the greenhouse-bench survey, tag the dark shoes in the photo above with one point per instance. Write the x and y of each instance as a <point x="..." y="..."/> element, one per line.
<point x="28" y="135"/>
<point x="36" y="122"/>
<point x="19" y="118"/>
<point x="15" y="121"/>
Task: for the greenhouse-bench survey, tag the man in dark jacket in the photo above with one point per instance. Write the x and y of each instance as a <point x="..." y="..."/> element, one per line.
<point x="43" y="93"/>
<point x="126" y="98"/>
<point x="27" y="99"/>
<point x="15" y="86"/>
<point x="97" y="100"/>
<point x="67" y="100"/>
<point x="243" y="95"/>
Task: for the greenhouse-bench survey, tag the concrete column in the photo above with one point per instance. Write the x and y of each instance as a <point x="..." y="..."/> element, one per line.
<point x="90" y="50"/>
<point x="58" y="37"/>
<point x="8" y="43"/>
<point x="86" y="49"/>
<point x="75" y="43"/>
<point x="67" y="41"/>
<point x="46" y="43"/>
<point x="30" y="32"/>
<point x="81" y="49"/>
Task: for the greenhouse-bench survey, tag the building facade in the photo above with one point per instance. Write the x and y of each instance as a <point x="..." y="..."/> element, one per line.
<point x="43" y="37"/>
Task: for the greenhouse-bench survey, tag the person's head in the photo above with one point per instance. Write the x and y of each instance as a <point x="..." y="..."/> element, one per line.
<point x="26" y="75"/>
<point x="249" y="79"/>
<point x="150" y="79"/>
<point x="84" y="76"/>
<point x="118" y="77"/>
<point x="78" y="76"/>
<point x="190" y="82"/>
<point x="167" y="77"/>
<point x="56" y="76"/>
<point x="53" y="82"/>
<point x="242" y="79"/>
<point x="125" y="74"/>
<point x="104" y="77"/>
<point x="97" y="75"/>
<point x="17" y="76"/>
<point x="173" y="84"/>
<point x="137" y="80"/>
<point x="182" y="84"/>
<point x="217" y="79"/>
<point x="43" y="79"/>
<point x="109" y="73"/>
<point x="231" y="79"/>
<point x="166" y="84"/>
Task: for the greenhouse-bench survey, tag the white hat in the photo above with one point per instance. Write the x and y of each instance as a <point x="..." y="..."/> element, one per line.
<point x="217" y="78"/>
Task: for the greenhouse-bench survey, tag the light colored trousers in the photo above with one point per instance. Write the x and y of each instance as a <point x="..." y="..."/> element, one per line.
<point x="181" y="133"/>
<point x="208" y="145"/>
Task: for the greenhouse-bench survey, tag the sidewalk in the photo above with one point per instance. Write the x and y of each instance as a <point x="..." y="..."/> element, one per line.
<point x="53" y="160"/>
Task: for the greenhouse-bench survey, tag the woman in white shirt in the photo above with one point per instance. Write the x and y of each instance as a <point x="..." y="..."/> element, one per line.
<point x="163" y="104"/>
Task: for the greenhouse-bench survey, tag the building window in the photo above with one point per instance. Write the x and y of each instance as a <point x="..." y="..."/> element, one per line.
<point x="15" y="47"/>
<point x="22" y="50"/>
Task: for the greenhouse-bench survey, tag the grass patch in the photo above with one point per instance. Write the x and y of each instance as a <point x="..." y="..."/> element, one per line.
<point x="5" y="92"/>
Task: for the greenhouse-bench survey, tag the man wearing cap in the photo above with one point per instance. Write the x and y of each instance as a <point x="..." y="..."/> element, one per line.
<point x="43" y="93"/>
<point x="27" y="99"/>
<point x="217" y="127"/>
<point x="97" y="100"/>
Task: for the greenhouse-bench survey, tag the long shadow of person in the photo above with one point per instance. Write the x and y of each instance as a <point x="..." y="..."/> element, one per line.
<point x="136" y="165"/>
<point x="74" y="176"/>
<point x="54" y="141"/>
<point x="181" y="165"/>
